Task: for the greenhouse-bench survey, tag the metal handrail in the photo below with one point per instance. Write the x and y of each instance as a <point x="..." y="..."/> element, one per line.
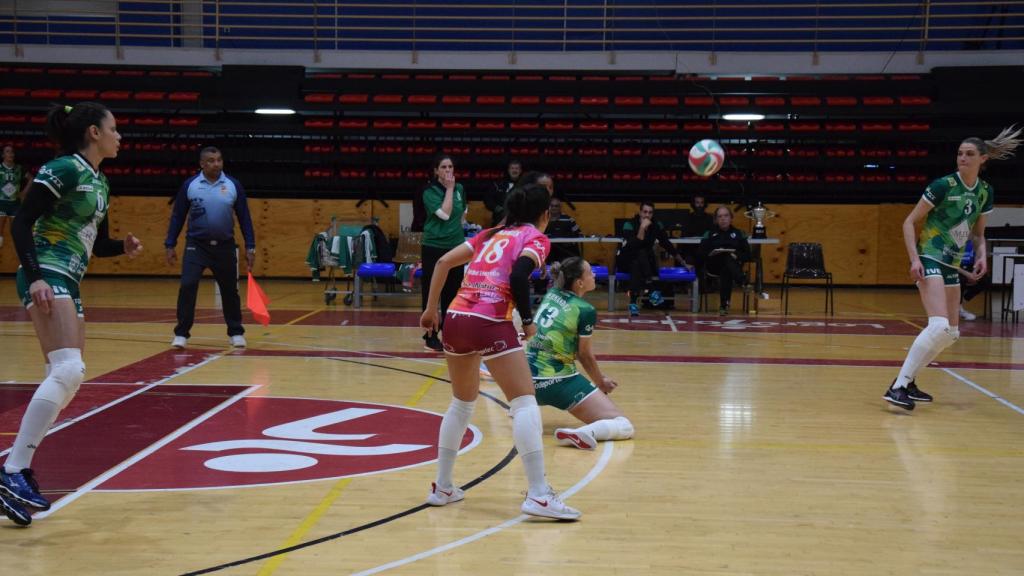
<point x="326" y="20"/>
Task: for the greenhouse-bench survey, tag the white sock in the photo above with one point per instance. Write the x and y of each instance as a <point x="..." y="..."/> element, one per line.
<point x="528" y="432"/>
<point x="453" y="427"/>
<point x="38" y="418"/>
<point x="619" y="428"/>
<point x="935" y="338"/>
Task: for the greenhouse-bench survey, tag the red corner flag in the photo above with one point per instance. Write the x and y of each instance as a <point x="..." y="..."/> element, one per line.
<point x="256" y="301"/>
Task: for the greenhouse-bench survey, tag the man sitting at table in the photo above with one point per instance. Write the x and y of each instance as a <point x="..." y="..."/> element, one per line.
<point x="636" y="255"/>
<point x="722" y="252"/>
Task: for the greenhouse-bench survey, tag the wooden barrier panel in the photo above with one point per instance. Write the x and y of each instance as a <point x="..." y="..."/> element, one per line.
<point x="863" y="244"/>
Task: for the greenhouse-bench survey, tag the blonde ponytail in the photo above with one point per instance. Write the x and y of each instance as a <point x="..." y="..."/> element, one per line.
<point x="1002" y="146"/>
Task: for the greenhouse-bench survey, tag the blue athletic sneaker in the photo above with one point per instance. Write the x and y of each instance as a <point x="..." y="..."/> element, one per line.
<point x="656" y="298"/>
<point x="22" y="486"/>
<point x="14" y="511"/>
<point x="634" y="310"/>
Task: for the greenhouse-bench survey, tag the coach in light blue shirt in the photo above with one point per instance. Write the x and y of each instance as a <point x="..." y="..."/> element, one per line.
<point x="211" y="200"/>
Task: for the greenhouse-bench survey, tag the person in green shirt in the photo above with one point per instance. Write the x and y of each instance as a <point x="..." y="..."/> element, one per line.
<point x="953" y="210"/>
<point x="12" y="178"/>
<point x="565" y="323"/>
<point x="61" y="224"/>
<point x="444" y="205"/>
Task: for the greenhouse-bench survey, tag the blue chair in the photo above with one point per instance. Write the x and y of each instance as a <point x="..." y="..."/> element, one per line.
<point x="682" y="275"/>
<point x="370" y="271"/>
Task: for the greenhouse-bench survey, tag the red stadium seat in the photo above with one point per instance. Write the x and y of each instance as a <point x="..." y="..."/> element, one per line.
<point x="75" y="95"/>
<point x="45" y="94"/>
<point x="320" y="98"/>
<point x="184" y="121"/>
<point x="150" y="96"/>
<point x="525" y="100"/>
<point x="559" y="100"/>
<point x="344" y="123"/>
<point x="387" y="98"/>
<point x="698" y="101"/>
<point x="524" y="125"/>
<point x="734" y="101"/>
<point x="422" y="99"/>
<point x="13" y="92"/>
<point x="456" y="99"/>
<point x="353" y="98"/>
<point x="805" y="101"/>
<point x="386" y="124"/>
<point x="878" y="101"/>
<point x="876" y="126"/>
<point x="804" y="126"/>
<point x="116" y="95"/>
<point x="456" y="124"/>
<point x="914" y="127"/>
<point x="493" y="100"/>
<point x="915" y="100"/>
<point x="629" y="100"/>
<point x="664" y="101"/>
<point x="183" y="96"/>
<point x="769" y="101"/>
<point x="594" y="100"/>
<point x="422" y="124"/>
<point x="841" y="100"/>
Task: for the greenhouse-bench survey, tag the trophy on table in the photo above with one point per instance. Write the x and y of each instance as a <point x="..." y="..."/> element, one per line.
<point x="759" y="214"/>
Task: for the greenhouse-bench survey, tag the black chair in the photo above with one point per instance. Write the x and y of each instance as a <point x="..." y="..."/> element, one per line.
<point x="709" y="284"/>
<point x="806" y="261"/>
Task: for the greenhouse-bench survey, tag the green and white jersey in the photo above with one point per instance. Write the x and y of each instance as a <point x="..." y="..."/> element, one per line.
<point x="65" y="236"/>
<point x="562" y="319"/>
<point x="10" y="180"/>
<point x="956" y="208"/>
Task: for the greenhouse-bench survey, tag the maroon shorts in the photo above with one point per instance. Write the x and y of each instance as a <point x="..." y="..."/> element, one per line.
<point x="466" y="334"/>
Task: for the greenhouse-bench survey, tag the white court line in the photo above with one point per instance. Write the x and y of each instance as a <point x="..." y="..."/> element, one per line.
<point x="113" y="403"/>
<point x="985" y="391"/>
<point x="606" y="455"/>
<point x="671" y="323"/>
<point x="88" y="486"/>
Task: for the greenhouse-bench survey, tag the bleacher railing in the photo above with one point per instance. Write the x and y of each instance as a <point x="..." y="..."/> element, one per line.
<point x="532" y="25"/>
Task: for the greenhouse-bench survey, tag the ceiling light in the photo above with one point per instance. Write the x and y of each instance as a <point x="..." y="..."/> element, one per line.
<point x="743" y="117"/>
<point x="278" y="111"/>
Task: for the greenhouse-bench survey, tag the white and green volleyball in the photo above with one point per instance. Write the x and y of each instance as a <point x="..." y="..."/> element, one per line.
<point x="706" y="158"/>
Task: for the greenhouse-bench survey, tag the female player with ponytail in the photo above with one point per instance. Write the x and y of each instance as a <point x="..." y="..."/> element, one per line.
<point x="565" y="323"/>
<point x="60" y="225"/>
<point x="478" y="326"/>
<point x="953" y="208"/>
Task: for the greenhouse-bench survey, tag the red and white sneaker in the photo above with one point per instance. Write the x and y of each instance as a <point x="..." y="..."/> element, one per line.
<point x="549" y="505"/>
<point x="575" y="437"/>
<point x="440" y="496"/>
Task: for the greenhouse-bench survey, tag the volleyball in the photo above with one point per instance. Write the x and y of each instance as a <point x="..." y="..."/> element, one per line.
<point x="706" y="158"/>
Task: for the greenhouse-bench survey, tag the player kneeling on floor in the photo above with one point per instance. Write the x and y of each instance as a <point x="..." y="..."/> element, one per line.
<point x="565" y="323"/>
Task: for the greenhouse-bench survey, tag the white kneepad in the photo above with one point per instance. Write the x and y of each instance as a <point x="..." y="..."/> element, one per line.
<point x="939" y="333"/>
<point x="66" y="374"/>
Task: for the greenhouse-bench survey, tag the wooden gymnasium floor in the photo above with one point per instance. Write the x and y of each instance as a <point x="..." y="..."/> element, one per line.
<point x="763" y="447"/>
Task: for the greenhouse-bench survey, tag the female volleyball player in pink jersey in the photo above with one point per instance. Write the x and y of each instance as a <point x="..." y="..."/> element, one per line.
<point x="478" y="326"/>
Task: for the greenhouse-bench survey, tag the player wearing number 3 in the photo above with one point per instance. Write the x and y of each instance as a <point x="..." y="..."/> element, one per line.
<point x="565" y="323"/>
<point x="478" y="326"/>
<point x="953" y="208"/>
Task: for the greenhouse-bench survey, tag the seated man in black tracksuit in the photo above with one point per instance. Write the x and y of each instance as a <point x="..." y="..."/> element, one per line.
<point x="636" y="255"/>
<point x="722" y="252"/>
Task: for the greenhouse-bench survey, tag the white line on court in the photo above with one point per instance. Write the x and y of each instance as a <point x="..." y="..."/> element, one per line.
<point x="985" y="391"/>
<point x="112" y="403"/>
<point x="671" y="323"/>
<point x="606" y="455"/>
<point x="88" y="486"/>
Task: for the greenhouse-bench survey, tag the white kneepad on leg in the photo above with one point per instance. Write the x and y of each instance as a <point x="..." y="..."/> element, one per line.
<point x="940" y="335"/>
<point x="66" y="374"/>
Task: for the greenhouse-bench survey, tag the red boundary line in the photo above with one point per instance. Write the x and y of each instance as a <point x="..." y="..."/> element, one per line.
<point x="680" y="359"/>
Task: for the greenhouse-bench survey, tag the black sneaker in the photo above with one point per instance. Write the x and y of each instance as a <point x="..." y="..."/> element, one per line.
<point x="433" y="343"/>
<point x="916" y="394"/>
<point x="723" y="310"/>
<point x="899" y="397"/>
<point x="16" y="512"/>
<point x="22" y="486"/>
